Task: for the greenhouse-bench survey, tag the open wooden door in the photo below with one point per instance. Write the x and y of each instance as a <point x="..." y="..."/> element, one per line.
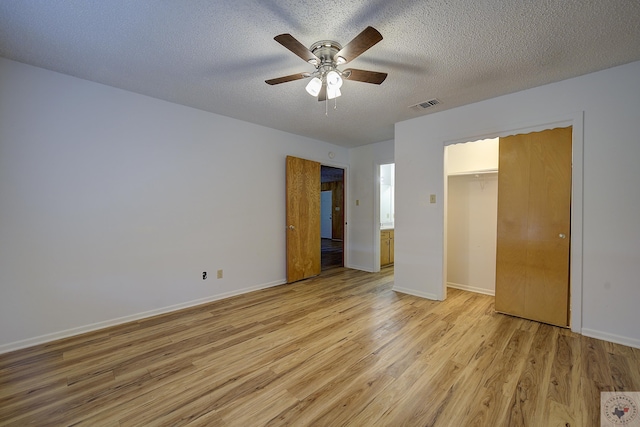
<point x="303" y="219"/>
<point x="534" y="222"/>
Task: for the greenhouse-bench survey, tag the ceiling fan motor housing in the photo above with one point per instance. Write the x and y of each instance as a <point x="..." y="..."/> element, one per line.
<point x="326" y="50"/>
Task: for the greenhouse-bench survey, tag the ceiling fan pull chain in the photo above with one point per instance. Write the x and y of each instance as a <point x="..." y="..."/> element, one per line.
<point x="326" y="107"/>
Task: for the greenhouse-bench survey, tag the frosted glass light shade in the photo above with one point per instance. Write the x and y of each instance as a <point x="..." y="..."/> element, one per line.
<point x="333" y="92"/>
<point x="314" y="86"/>
<point x="334" y="80"/>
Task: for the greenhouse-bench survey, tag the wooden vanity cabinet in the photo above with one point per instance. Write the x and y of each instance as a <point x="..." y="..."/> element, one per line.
<point x="386" y="247"/>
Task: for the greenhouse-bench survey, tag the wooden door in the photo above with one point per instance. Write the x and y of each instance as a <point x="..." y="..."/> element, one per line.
<point x="534" y="221"/>
<point x="303" y="219"/>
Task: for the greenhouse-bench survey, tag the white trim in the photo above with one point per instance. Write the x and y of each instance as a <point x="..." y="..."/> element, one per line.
<point x="475" y="289"/>
<point x="416" y="293"/>
<point x="17" y="345"/>
<point x="376" y="217"/>
<point x="631" y="342"/>
<point x="576" y="121"/>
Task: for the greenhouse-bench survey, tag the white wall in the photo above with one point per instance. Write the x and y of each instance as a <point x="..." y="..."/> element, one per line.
<point x="472" y="220"/>
<point x="609" y="237"/>
<point x="364" y="218"/>
<point x="112" y="204"/>
<point x="482" y="155"/>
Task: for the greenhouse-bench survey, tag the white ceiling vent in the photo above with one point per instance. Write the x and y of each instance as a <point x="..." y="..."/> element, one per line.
<point x="426" y="104"/>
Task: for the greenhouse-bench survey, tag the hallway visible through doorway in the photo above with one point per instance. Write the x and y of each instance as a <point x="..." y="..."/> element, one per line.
<point x="332" y="217"/>
<point x="331" y="254"/>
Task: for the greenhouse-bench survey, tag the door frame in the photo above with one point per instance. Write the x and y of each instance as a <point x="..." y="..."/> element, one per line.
<point x="575" y="120"/>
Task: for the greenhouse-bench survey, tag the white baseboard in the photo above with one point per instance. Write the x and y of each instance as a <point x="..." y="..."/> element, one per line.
<point x="17" y="345"/>
<point x="631" y="342"/>
<point x="472" y="289"/>
<point x="415" y="293"/>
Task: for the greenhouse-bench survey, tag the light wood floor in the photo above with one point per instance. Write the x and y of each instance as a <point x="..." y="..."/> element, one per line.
<point x="342" y="349"/>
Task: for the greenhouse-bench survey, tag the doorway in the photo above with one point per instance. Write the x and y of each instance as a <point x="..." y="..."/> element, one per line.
<point x="332" y="217"/>
<point x="387" y="173"/>
<point x="307" y="253"/>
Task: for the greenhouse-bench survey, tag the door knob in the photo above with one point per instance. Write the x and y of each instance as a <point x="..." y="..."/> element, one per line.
<point x="291" y="227"/>
<point x="562" y="235"/>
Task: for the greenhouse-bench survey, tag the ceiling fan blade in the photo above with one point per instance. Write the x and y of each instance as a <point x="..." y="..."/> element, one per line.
<point x="364" y="76"/>
<point x="363" y="41"/>
<point x="322" y="96"/>
<point x="289" y="78"/>
<point x="291" y="43"/>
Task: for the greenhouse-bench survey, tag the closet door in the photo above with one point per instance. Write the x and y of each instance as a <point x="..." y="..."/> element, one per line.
<point x="534" y="212"/>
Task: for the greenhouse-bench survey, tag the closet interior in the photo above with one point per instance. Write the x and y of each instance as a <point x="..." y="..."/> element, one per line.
<point x="471" y="215"/>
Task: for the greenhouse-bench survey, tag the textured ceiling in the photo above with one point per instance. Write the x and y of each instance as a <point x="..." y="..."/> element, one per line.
<point x="215" y="55"/>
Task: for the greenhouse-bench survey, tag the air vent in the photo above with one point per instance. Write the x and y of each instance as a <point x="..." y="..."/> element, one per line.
<point x="426" y="104"/>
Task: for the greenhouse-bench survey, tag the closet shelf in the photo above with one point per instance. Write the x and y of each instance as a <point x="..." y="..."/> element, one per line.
<point x="476" y="172"/>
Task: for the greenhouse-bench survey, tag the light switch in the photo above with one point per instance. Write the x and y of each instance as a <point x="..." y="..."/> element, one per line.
<point x="357" y="202"/>
<point x="432" y="198"/>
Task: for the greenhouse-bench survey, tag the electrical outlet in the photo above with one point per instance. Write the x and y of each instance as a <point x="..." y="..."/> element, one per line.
<point x="219" y="274"/>
<point x="204" y="275"/>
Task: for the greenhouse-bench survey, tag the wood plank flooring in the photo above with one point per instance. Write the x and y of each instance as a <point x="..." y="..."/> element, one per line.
<point x="331" y="254"/>
<point x="340" y="349"/>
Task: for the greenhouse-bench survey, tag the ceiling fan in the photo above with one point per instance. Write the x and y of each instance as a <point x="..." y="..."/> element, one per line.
<point x="326" y="56"/>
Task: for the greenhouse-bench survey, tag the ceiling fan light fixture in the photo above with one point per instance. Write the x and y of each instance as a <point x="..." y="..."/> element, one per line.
<point x="333" y="92"/>
<point x="334" y="80"/>
<point x="314" y="86"/>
